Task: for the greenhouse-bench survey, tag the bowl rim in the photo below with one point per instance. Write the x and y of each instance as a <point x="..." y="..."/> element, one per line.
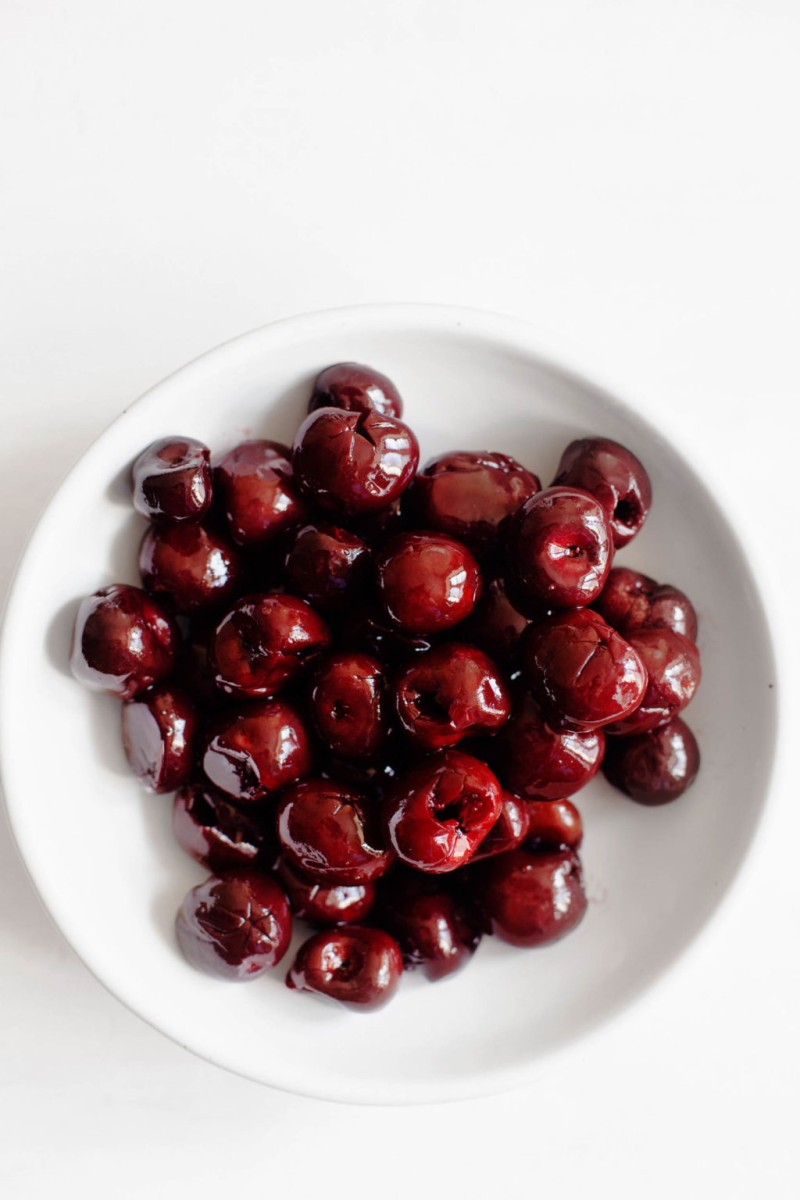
<point x="556" y="352"/>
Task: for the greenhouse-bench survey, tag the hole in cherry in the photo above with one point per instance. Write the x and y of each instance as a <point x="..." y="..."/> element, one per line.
<point x="626" y="511"/>
<point x="429" y="708"/>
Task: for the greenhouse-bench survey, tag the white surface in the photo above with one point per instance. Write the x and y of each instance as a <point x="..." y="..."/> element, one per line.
<point x="653" y="878"/>
<point x="624" y="172"/>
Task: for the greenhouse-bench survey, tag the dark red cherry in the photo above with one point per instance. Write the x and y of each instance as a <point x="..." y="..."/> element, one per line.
<point x="355" y="388"/>
<point x="559" y="549"/>
<point x="496" y="625"/>
<point x="159" y="734"/>
<point x="328" y="833"/>
<point x="236" y="926"/>
<point x="340" y="904"/>
<point x="470" y="495"/>
<point x="255" y="750"/>
<point x="531" y="896"/>
<point x="673" y="675"/>
<point x="328" y="567"/>
<point x="122" y="642"/>
<point x="655" y="767"/>
<point x="171" y="480"/>
<point x="538" y="762"/>
<point x="353" y="463"/>
<point x="218" y="834"/>
<point x="582" y="672"/>
<point x="258" y="493"/>
<point x="509" y="830"/>
<point x="427" y="582"/>
<point x="449" y="693"/>
<point x="438" y="812"/>
<point x="554" y="823"/>
<point x="631" y="601"/>
<point x="347" y="702"/>
<point x="615" y="477"/>
<point x="433" y="930"/>
<point x="264" y="642"/>
<point x="356" y="966"/>
<point x="189" y="567"/>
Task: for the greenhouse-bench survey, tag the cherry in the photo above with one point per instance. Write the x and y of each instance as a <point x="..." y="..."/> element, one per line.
<point x="122" y="642"/>
<point x="427" y="582"/>
<point x="264" y="642"/>
<point x="615" y="476"/>
<point x="340" y="904"/>
<point x="539" y="762"/>
<point x="258" y="492"/>
<point x="236" y="926"/>
<point x="554" y="823"/>
<point x="356" y="388"/>
<point x="353" y="462"/>
<point x="438" y="812"/>
<point x="356" y="966"/>
<point x="347" y="703"/>
<point x="368" y="629"/>
<point x="631" y="601"/>
<point x="450" y="692"/>
<point x="253" y="751"/>
<point x="171" y="480"/>
<point x="327" y="832"/>
<point x="559" y="549"/>
<point x="673" y="670"/>
<point x="190" y="567"/>
<point x="509" y="830"/>
<point x="496" y="624"/>
<point x="531" y="896"/>
<point x="582" y="672"/>
<point x="327" y="566"/>
<point x="218" y="834"/>
<point x="655" y="767"/>
<point x="433" y="930"/>
<point x="470" y="495"/>
<point x="159" y="734"/>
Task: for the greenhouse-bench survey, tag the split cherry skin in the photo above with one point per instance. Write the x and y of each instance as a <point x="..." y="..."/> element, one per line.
<point x="449" y="693"/>
<point x="356" y="966"/>
<point x="356" y="388"/>
<point x="615" y="477"/>
<point x="255" y="750"/>
<point x="236" y="926"/>
<point x="656" y="767"/>
<point x="264" y="642"/>
<point x="217" y="834"/>
<point x="327" y="566"/>
<point x="171" y="480"/>
<point x="327" y="833"/>
<point x="122" y="642"/>
<point x="159" y="736"/>
<point x="427" y="582"/>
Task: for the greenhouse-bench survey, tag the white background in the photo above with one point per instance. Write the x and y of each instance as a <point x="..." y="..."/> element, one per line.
<point x="174" y="172"/>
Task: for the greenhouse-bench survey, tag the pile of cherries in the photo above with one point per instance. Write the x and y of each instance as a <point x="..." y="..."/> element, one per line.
<point x="375" y="689"/>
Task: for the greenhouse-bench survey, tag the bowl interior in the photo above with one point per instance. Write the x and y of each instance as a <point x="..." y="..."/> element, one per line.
<point x="100" y="850"/>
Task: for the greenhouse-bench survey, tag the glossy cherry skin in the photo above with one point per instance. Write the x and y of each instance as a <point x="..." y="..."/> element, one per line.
<point x="348" y="704"/>
<point x="356" y="966"/>
<point x="631" y="601"/>
<point x="582" y="672"/>
<point x="433" y="930"/>
<point x="235" y="926"/>
<point x="427" y="582"/>
<point x="353" y="463"/>
<point x="538" y="762"/>
<point x="615" y="477"/>
<point x="159" y="734"/>
<point x="171" y="480"/>
<point x="328" y="567"/>
<point x="188" y="567"/>
<point x="554" y="823"/>
<point x="265" y="642"/>
<point x="496" y="624"/>
<point x="437" y="813"/>
<point x="122" y="642"/>
<point x="655" y="767"/>
<point x="356" y="388"/>
<point x="673" y="676"/>
<point x="218" y="834"/>
<point x="470" y="495"/>
<point x="449" y="693"/>
<point x="531" y="896"/>
<point x="256" y="750"/>
<point x="340" y="904"/>
<point x="258" y="493"/>
<point x="327" y="832"/>
<point x="559" y="549"/>
<point x="509" y="830"/>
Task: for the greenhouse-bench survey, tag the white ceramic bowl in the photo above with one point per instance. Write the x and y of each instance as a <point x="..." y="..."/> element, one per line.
<point x="100" y="850"/>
